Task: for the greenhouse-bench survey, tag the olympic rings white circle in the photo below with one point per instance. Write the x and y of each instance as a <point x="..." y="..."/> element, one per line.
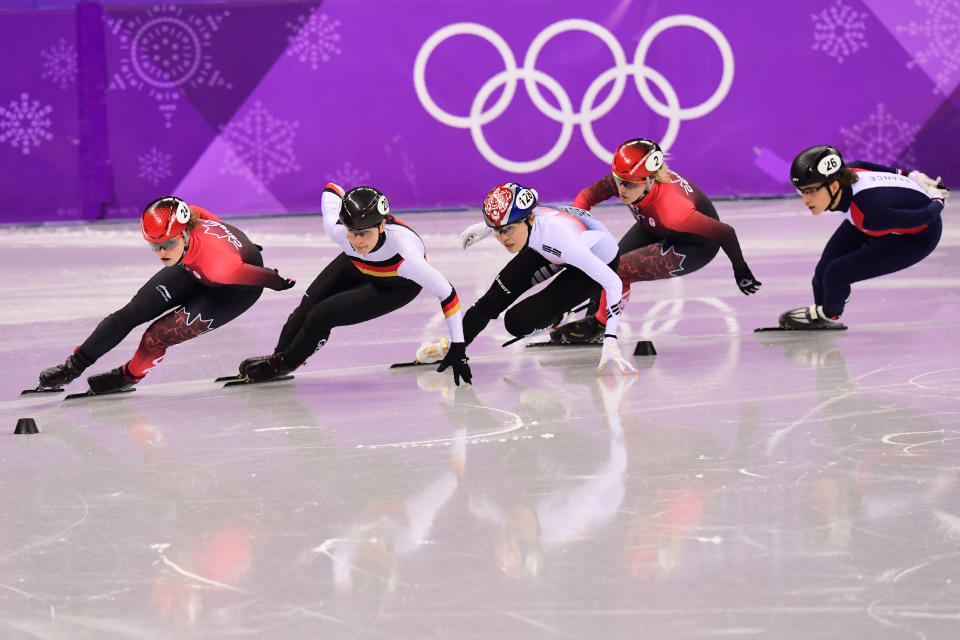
<point x="673" y="119"/>
<point x="726" y="55"/>
<point x="558" y="148"/>
<point x="420" y="70"/>
<point x="565" y="115"/>
<point x="563" y="26"/>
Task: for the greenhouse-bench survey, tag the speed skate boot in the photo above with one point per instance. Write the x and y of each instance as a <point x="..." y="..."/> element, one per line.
<point x="265" y="367"/>
<point x="809" y="318"/>
<point x="587" y="330"/>
<point x="114" y="380"/>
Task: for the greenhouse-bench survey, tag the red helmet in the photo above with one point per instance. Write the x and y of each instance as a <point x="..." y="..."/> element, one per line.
<point x="164" y="218"/>
<point x="637" y="159"/>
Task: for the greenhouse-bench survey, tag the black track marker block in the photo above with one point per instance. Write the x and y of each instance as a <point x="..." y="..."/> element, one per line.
<point x="235" y="383"/>
<point x="26" y="426"/>
<point x="644" y="348"/>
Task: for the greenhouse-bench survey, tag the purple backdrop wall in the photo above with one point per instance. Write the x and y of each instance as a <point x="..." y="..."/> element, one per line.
<point x="251" y="107"/>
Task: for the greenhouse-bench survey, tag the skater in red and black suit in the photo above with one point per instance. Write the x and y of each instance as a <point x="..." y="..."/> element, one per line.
<point x="891" y="221"/>
<point x="211" y="274"/>
<point x="677" y="230"/>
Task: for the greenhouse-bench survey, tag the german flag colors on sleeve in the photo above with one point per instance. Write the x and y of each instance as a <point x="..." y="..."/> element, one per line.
<point x="453" y="316"/>
<point x="451" y="304"/>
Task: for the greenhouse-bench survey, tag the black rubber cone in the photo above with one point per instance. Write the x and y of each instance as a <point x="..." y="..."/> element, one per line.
<point x="644" y="348"/>
<point x="26" y="426"/>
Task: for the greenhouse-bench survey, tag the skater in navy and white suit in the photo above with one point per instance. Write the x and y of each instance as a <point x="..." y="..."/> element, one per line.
<point x="892" y="221"/>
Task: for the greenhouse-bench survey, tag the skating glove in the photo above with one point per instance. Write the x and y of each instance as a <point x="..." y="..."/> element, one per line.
<point x="474" y="234"/>
<point x="61" y="374"/>
<point x="934" y="188"/>
<point x="746" y="281"/>
<point x="611" y="353"/>
<point x="282" y="284"/>
<point x="457" y="359"/>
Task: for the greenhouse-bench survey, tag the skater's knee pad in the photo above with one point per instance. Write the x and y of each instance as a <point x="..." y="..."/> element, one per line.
<point x="519" y="324"/>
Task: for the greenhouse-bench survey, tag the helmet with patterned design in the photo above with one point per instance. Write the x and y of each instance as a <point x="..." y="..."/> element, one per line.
<point x="163" y="219"/>
<point x="636" y="160"/>
<point x="508" y="203"/>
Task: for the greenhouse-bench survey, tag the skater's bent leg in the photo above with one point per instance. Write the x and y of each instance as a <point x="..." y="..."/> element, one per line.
<point x="886" y="254"/>
<point x="166" y="290"/>
<point x="338" y="276"/>
<point x="353" y="306"/>
<point x="539" y="311"/>
<point x="513" y="280"/>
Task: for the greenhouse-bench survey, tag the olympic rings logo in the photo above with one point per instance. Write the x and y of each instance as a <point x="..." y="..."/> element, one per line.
<point x="565" y="115"/>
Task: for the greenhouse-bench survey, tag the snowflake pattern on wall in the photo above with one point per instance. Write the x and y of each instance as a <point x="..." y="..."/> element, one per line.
<point x="941" y="31"/>
<point x="839" y="31"/>
<point x="881" y="138"/>
<point x="165" y="51"/>
<point x="314" y="39"/>
<point x="25" y="123"/>
<point x="155" y="166"/>
<point x="60" y="64"/>
<point x="348" y="176"/>
<point x="260" y="147"/>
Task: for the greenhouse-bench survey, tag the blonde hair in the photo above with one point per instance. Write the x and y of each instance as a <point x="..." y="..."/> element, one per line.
<point x="661" y="174"/>
<point x="194" y="219"/>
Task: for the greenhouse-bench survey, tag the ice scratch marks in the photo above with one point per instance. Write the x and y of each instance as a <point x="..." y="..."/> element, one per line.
<point x="199" y="578"/>
<point x="516" y="422"/>
<point x="896" y="439"/>
<point x="53" y="610"/>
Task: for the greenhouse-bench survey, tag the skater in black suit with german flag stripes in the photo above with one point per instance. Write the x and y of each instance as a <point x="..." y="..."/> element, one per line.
<point x="382" y="268"/>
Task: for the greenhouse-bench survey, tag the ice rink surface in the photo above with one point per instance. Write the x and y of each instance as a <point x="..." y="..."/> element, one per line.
<point x="774" y="485"/>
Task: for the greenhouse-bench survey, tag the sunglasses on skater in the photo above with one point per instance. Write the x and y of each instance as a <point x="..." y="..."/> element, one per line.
<point x="166" y="245"/>
<point x="809" y="191"/>
<point x="629" y="183"/>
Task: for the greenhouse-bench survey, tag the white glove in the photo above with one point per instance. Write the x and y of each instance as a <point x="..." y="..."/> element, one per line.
<point x="611" y="353"/>
<point x="433" y="351"/>
<point x="934" y="188"/>
<point x="474" y="234"/>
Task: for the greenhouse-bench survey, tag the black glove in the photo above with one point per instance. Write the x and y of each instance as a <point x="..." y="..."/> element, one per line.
<point x="56" y="376"/>
<point x="457" y="358"/>
<point x="745" y="280"/>
<point x="285" y="283"/>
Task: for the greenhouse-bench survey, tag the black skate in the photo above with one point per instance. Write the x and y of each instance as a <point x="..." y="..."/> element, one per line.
<point x="53" y="378"/>
<point x="585" y="331"/>
<point x="118" y="380"/>
<point x="271" y="368"/>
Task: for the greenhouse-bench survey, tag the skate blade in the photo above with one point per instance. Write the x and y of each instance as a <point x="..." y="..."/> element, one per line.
<point x="27" y="392"/>
<point x="842" y="327"/>
<point x="403" y="365"/>
<point x="228" y="378"/>
<point x="536" y="345"/>
<point x="90" y="394"/>
<point x="237" y="382"/>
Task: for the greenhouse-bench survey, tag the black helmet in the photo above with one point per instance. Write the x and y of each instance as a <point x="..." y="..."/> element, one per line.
<point x="815" y="164"/>
<point x="363" y="207"/>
